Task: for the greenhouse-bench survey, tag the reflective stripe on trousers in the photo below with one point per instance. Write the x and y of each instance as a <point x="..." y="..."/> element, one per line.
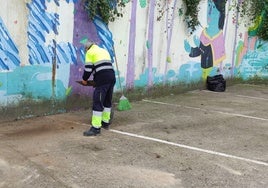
<point x="98" y="117"/>
<point x="102" y="104"/>
<point x="106" y="115"/>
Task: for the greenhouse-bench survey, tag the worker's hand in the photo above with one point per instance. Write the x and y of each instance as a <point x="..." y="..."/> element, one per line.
<point x="84" y="82"/>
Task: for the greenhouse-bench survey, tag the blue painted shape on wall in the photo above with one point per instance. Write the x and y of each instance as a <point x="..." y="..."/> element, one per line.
<point x="255" y="62"/>
<point x="190" y="72"/>
<point x="35" y="81"/>
<point x="105" y="35"/>
<point x="68" y="1"/>
<point x="187" y="73"/>
<point x="74" y="1"/>
<point x="31" y="81"/>
<point x="40" y="24"/>
<point x="9" y="54"/>
<point x="143" y="79"/>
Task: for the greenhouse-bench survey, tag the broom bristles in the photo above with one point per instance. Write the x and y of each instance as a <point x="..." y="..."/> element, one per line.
<point x="124" y="104"/>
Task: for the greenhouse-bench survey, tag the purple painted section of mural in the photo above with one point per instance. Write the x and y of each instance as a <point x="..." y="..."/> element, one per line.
<point x="83" y="29"/>
<point x="131" y="47"/>
<point x="150" y="41"/>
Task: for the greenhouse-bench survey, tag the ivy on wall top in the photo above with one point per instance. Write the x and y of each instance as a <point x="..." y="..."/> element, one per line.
<point x="108" y="10"/>
<point x="255" y="12"/>
<point x="191" y="13"/>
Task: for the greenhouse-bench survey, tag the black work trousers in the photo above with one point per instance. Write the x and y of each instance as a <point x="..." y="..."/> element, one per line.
<point x="102" y="104"/>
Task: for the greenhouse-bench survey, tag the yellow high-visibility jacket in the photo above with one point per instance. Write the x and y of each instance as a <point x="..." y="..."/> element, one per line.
<point x="98" y="62"/>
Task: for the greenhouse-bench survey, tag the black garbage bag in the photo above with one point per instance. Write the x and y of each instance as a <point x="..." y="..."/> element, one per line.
<point x="216" y="83"/>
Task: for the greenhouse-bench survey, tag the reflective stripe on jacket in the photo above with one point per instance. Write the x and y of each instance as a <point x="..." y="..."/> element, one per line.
<point x="98" y="62"/>
<point x="97" y="59"/>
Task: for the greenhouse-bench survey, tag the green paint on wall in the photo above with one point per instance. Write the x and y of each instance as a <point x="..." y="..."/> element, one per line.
<point x="68" y="91"/>
<point x="143" y="3"/>
<point x="252" y="31"/>
<point x="239" y="50"/>
<point x="83" y="40"/>
<point x="148" y="44"/>
<point x="169" y="59"/>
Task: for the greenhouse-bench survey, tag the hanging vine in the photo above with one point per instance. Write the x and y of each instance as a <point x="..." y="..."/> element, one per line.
<point x="254" y="12"/>
<point x="107" y="10"/>
<point x="191" y="13"/>
<point x="255" y="16"/>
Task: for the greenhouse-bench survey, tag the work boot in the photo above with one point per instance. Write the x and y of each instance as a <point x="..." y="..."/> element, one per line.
<point x="105" y="125"/>
<point x="92" y="132"/>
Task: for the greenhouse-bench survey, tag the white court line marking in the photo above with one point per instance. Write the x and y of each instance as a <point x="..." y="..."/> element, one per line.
<point x="190" y="147"/>
<point x="258" y="98"/>
<point x="244" y="96"/>
<point x="178" y="145"/>
<point x="206" y="110"/>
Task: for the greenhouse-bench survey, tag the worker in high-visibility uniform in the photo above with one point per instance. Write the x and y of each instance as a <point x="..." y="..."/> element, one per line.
<point x="98" y="62"/>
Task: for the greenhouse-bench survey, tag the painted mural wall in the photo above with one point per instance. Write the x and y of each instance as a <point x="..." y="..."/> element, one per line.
<point x="42" y="54"/>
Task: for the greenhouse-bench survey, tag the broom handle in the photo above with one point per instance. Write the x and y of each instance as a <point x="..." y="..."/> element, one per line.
<point x="118" y="71"/>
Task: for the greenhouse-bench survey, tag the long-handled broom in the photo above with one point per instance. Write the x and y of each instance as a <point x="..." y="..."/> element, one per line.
<point x="123" y="104"/>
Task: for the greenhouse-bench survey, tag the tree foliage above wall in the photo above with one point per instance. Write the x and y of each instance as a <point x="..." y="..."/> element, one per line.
<point x="254" y="12"/>
<point x="191" y="13"/>
<point x="108" y="10"/>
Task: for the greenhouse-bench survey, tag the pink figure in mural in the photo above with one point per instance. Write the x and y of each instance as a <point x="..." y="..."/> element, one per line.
<point x="210" y="46"/>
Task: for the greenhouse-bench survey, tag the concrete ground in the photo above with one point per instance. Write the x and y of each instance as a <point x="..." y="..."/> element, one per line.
<point x="196" y="139"/>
